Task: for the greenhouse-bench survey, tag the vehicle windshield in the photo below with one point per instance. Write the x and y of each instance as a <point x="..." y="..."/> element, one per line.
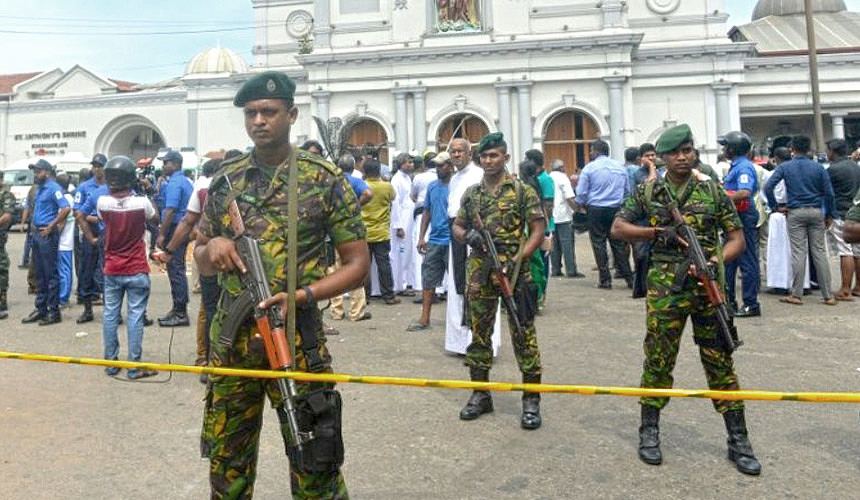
<point x="17" y="177"/>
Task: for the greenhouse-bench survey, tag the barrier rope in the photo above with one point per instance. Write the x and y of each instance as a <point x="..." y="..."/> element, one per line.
<point x="589" y="390"/>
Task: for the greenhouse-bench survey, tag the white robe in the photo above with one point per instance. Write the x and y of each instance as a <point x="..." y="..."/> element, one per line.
<point x="458" y="337"/>
<point x="402" y="269"/>
<point x="779" y="273"/>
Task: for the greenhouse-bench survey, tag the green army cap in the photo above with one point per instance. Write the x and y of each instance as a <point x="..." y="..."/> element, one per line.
<point x="267" y="85"/>
<point x="490" y="141"/>
<point x="672" y="138"/>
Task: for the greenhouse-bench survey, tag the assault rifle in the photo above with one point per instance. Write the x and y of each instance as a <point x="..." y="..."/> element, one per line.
<point x="504" y="283"/>
<point x="270" y="323"/>
<point x="697" y="267"/>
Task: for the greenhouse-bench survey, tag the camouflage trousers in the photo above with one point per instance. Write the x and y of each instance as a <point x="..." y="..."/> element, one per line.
<point x="233" y="418"/>
<point x="666" y="317"/>
<point x="482" y="295"/>
<point x="4" y="266"/>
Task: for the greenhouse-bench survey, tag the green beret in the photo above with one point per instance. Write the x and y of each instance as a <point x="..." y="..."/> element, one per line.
<point x="490" y="141"/>
<point x="268" y="85"/>
<point x="671" y="139"/>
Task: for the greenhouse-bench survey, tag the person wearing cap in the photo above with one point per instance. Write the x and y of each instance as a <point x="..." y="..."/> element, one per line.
<point x="176" y="193"/>
<point x="742" y="185"/>
<point x="712" y="216"/>
<point x="7" y="211"/>
<point x="510" y="212"/>
<point x="433" y="246"/>
<point x="257" y="182"/>
<point x="90" y="277"/>
<point x="49" y="214"/>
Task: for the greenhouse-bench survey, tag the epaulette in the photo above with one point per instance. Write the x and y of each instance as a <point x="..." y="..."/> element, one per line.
<point x="318" y="161"/>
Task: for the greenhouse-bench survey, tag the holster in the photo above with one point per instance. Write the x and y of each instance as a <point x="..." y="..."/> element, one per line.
<point x="319" y="415"/>
<point x="526" y="299"/>
<point x="318" y="410"/>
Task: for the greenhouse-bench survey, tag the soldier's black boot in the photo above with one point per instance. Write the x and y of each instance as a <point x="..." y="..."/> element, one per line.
<point x="87" y="315"/>
<point x="480" y="402"/>
<point x="649" y="436"/>
<point x="531" y="418"/>
<point x="740" y="449"/>
<point x="4" y="307"/>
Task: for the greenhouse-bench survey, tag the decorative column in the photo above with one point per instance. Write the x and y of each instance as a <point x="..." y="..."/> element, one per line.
<point x="322" y="23"/>
<point x="419" y="118"/>
<point x="401" y="139"/>
<point x="506" y="125"/>
<point x="524" y="100"/>
<point x="616" y="115"/>
<point x="722" y="103"/>
<point x="837" y="121"/>
<point x="322" y="98"/>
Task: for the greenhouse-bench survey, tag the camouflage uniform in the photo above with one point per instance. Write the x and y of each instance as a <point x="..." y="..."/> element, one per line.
<point x="504" y="214"/>
<point x="234" y="406"/>
<point x="708" y="210"/>
<point x="7" y="206"/>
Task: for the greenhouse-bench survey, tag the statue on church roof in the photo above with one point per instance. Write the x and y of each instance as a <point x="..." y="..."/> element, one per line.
<point x="458" y="15"/>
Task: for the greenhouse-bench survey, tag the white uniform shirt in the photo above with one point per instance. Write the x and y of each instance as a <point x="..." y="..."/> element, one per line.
<point x="420" y="183"/>
<point x="460" y="181"/>
<point x="561" y="211"/>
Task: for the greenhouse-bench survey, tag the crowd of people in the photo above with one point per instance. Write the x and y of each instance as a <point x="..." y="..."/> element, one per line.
<point x="454" y="226"/>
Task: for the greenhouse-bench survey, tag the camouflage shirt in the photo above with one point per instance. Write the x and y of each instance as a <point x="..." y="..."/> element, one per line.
<point x="327" y="206"/>
<point x="705" y="214"/>
<point x="505" y="213"/>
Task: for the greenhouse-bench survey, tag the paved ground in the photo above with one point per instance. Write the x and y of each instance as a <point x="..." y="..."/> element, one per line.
<point x="72" y="432"/>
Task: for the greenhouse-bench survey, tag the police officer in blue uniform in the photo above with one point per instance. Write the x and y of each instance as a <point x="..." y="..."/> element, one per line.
<point x="50" y="209"/>
<point x="88" y="282"/>
<point x="175" y="194"/>
<point x="741" y="183"/>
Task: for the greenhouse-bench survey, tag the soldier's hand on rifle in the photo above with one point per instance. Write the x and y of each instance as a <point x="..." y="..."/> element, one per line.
<point x="474" y="239"/>
<point x="279" y="299"/>
<point x="668" y="236"/>
<point x="223" y="256"/>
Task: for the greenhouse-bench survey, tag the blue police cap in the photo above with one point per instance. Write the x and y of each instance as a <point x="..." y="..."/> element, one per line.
<point x="41" y="164"/>
<point x="173" y="156"/>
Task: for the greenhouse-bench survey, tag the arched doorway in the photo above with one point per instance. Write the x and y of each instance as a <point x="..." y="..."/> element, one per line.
<point x="131" y="135"/>
<point x="568" y="137"/>
<point x="465" y="125"/>
<point x="367" y="134"/>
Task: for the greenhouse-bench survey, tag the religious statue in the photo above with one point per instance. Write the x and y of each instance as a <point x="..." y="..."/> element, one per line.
<point x="458" y="15"/>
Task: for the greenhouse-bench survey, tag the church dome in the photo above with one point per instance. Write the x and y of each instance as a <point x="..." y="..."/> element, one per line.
<point x="216" y="60"/>
<point x="766" y="8"/>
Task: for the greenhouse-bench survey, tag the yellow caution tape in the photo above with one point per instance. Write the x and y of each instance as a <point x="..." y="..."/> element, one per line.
<point x="807" y="397"/>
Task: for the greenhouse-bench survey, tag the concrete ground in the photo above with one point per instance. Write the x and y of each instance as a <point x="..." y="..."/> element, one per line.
<point x="71" y="432"/>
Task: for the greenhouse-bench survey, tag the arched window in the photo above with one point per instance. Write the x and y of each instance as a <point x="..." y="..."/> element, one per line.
<point x="568" y="137"/>
<point x="366" y="134"/>
<point x="465" y="126"/>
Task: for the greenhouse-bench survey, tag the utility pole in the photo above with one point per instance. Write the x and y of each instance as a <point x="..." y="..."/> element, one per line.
<point x="813" y="76"/>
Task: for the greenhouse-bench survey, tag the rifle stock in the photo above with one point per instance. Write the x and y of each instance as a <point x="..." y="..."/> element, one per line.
<point x="700" y="270"/>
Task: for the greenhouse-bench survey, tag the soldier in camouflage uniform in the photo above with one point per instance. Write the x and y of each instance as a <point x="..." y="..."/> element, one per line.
<point x="510" y="210"/>
<point x="7" y="209"/>
<point x="709" y="211"/>
<point x="327" y="206"/>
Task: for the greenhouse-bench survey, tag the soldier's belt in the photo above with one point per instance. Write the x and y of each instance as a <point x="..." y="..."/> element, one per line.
<point x="587" y="390"/>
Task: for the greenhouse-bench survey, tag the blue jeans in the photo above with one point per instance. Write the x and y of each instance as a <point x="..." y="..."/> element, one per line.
<point x="136" y="286"/>
<point x="65" y="265"/>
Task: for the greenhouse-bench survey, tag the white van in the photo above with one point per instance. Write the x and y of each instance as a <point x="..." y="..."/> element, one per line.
<point x="18" y="176"/>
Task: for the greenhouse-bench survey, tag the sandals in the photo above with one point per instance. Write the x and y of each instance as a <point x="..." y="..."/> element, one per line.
<point x="142" y="373"/>
<point x="844" y="298"/>
<point x="791" y="299"/>
<point x="829" y="302"/>
<point x="417" y="327"/>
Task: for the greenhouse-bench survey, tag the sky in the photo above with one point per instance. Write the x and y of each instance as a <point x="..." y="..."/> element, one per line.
<point x="138" y="41"/>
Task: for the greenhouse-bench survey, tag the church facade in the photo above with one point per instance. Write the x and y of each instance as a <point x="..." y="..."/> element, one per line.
<point x="409" y="75"/>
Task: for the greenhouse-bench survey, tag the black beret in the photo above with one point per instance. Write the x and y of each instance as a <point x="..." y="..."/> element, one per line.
<point x="490" y="141"/>
<point x="267" y="85"/>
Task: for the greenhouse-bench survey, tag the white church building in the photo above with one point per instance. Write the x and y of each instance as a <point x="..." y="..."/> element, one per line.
<point x="409" y="74"/>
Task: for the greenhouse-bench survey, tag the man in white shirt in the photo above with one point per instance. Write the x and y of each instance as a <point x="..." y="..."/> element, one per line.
<point x="421" y="179"/>
<point x="562" y="212"/>
<point x="402" y="219"/>
<point x="457" y="335"/>
<point x="67" y="244"/>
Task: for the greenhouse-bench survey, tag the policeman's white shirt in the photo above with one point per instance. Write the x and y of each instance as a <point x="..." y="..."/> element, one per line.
<point x="460" y="181"/>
